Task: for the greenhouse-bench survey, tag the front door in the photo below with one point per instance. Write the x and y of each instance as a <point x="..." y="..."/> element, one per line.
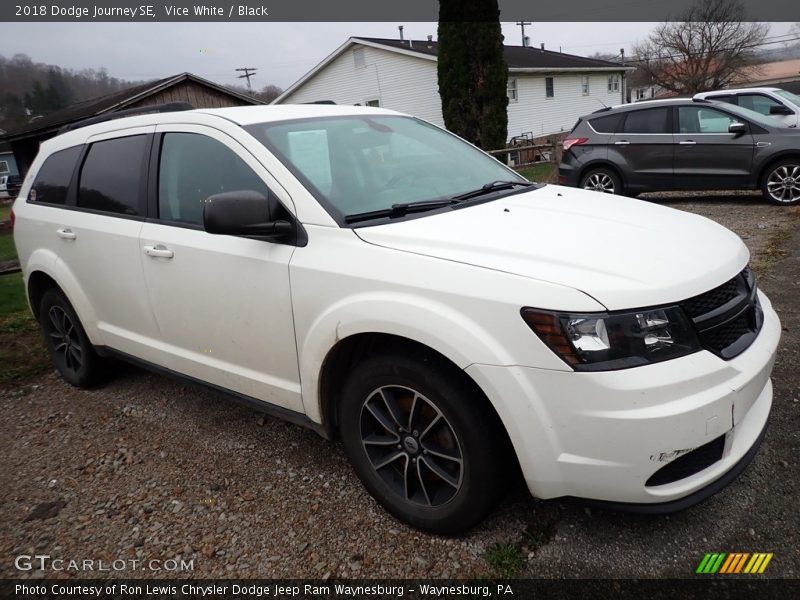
<point x="707" y="156"/>
<point x="222" y="303"/>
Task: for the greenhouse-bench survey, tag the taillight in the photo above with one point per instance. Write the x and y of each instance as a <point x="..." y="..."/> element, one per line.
<point x="11" y="217"/>
<point x="570" y="142"/>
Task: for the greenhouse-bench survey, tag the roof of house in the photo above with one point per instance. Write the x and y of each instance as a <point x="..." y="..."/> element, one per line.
<point x="782" y="70"/>
<point x="114" y="101"/>
<point x="520" y="59"/>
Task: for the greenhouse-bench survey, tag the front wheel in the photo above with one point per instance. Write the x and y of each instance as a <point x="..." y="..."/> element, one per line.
<point x="601" y="180"/>
<point x="423" y="443"/>
<point x="782" y="183"/>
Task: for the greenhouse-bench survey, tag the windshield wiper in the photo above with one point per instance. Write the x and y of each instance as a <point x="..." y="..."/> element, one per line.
<point x="492" y="186"/>
<point x="399" y="210"/>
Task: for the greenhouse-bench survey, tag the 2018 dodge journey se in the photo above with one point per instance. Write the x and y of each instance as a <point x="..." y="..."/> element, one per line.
<point x="374" y="277"/>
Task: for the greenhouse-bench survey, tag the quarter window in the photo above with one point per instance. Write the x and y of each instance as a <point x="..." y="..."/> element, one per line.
<point x="548" y="87"/>
<point x="651" y="120"/>
<point x="606" y="124"/>
<point x="111" y="178"/>
<point x="694" y="119"/>
<point x="53" y="179"/>
<point x="194" y="167"/>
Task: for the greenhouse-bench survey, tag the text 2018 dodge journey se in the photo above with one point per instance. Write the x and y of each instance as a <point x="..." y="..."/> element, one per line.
<point x="371" y="276"/>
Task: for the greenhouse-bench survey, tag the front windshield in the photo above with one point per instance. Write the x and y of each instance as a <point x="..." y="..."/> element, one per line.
<point x="793" y="98"/>
<point x="751" y="115"/>
<point x="361" y="163"/>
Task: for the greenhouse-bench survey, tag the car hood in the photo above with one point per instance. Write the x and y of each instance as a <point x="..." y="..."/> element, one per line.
<point x="624" y="253"/>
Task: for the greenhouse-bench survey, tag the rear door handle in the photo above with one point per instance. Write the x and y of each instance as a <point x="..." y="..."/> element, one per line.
<point x="65" y="233"/>
<point x="158" y="251"/>
<point x="688" y="143"/>
<point x="622" y="143"/>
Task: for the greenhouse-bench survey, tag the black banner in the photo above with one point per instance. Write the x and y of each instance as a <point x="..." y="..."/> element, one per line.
<point x="365" y="10"/>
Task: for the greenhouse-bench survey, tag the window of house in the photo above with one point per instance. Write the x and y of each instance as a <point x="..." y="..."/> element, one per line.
<point x="549" y="92"/>
<point x="651" y="120"/>
<point x="111" y="178"/>
<point x="640" y="93"/>
<point x="585" y="85"/>
<point x="53" y="179"/>
<point x="374" y="102"/>
<point x="359" y="59"/>
<point x="613" y="83"/>
<point x="511" y="90"/>
<point x="192" y="168"/>
<point x="3" y="166"/>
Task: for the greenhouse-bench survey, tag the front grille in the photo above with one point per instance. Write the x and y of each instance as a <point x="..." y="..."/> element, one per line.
<point x="689" y="464"/>
<point x="728" y="318"/>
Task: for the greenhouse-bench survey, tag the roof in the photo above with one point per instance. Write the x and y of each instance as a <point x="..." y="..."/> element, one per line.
<point x="774" y="72"/>
<point x="114" y="101"/>
<point x="520" y="59"/>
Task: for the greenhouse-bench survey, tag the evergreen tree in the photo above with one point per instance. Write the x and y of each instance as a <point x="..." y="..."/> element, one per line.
<point x="472" y="72"/>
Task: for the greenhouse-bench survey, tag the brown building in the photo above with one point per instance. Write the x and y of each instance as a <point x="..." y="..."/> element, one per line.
<point x="185" y="87"/>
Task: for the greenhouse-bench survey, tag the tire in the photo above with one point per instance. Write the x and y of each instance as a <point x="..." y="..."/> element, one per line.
<point x="443" y="471"/>
<point x="70" y="349"/>
<point x="781" y="183"/>
<point x="601" y="180"/>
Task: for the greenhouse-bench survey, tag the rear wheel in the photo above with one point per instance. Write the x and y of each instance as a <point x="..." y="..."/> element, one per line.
<point x="601" y="180"/>
<point x="69" y="346"/>
<point x="782" y="183"/>
<point x="422" y="442"/>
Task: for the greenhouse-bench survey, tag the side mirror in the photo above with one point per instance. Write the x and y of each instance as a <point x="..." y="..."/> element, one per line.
<point x="737" y="128"/>
<point x="245" y="213"/>
<point x="780" y="109"/>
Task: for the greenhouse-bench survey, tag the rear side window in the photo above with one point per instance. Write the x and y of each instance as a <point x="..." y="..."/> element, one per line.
<point x="651" y="120"/>
<point x="53" y="179"/>
<point x="111" y="178"/>
<point x="607" y="124"/>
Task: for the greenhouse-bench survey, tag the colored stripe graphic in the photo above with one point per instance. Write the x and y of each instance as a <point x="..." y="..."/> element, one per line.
<point x="735" y="562"/>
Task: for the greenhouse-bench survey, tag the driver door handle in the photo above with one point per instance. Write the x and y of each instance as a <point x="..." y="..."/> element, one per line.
<point x="158" y="251"/>
<point x="622" y="143"/>
<point x="687" y="143"/>
<point x="65" y="233"/>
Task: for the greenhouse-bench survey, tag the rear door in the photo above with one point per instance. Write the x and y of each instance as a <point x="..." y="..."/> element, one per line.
<point x="642" y="147"/>
<point x="222" y="303"/>
<point x="707" y="156"/>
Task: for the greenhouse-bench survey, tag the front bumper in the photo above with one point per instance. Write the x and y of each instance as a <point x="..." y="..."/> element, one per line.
<point x="603" y="435"/>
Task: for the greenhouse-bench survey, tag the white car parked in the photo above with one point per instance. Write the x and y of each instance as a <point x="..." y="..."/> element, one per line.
<point x="779" y="104"/>
<point x="371" y="276"/>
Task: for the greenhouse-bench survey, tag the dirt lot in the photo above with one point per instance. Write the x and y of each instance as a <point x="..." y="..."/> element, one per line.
<point x="147" y="468"/>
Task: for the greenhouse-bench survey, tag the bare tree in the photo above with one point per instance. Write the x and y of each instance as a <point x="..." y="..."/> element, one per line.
<point x="268" y="93"/>
<point x="710" y="47"/>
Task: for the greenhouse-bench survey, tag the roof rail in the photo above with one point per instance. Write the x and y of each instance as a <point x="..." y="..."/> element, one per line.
<point x="704" y="100"/>
<point x="128" y="112"/>
<point x="320" y="102"/>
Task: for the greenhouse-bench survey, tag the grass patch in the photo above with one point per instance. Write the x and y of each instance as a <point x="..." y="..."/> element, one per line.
<point x="775" y="251"/>
<point x="22" y="351"/>
<point x="541" y="172"/>
<point x="506" y="560"/>
<point x="7" y="249"/>
<point x="5" y="212"/>
<point x="537" y="535"/>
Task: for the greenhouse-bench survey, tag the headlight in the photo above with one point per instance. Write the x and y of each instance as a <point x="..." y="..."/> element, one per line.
<point x="617" y="340"/>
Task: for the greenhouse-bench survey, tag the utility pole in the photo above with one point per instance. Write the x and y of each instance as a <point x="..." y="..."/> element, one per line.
<point x="247" y="75"/>
<point x="522" y="25"/>
<point x="622" y="62"/>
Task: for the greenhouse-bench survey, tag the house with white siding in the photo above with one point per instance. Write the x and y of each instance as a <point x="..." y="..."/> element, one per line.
<point x="547" y="90"/>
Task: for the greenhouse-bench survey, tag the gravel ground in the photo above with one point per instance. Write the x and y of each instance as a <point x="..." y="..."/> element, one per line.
<point x="146" y="468"/>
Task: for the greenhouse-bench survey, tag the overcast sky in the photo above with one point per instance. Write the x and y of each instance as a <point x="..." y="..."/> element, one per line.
<point x="282" y="52"/>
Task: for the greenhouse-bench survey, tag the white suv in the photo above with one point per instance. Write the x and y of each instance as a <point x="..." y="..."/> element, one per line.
<point x="781" y="105"/>
<point x="371" y="276"/>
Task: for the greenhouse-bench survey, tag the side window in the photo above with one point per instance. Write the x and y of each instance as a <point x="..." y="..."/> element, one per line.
<point x="111" y="177"/>
<point x="758" y="102"/>
<point x="608" y="124"/>
<point x="192" y="168"/>
<point x="53" y="179"/>
<point x="549" y="91"/>
<point x="651" y="120"/>
<point x="696" y="119"/>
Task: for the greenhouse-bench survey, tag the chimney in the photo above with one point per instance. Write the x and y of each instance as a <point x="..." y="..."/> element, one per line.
<point x="542" y="45"/>
<point x="430" y="41"/>
<point x="400" y="27"/>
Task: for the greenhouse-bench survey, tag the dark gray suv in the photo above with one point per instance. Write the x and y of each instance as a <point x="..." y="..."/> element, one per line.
<point x="682" y="144"/>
